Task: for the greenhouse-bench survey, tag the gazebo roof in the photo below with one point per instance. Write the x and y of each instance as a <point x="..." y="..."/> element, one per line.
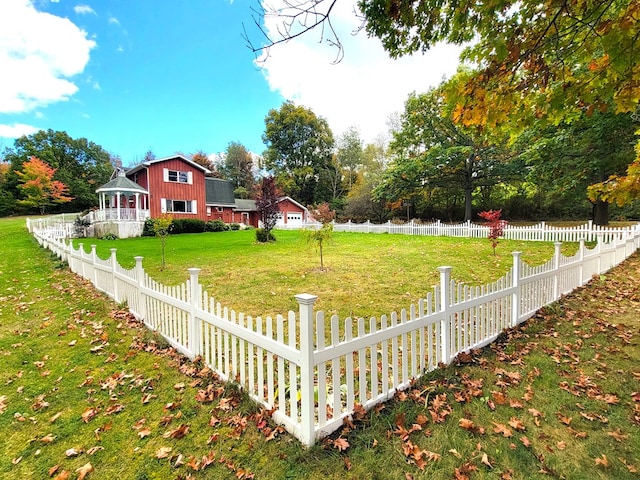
<point x="121" y="184"/>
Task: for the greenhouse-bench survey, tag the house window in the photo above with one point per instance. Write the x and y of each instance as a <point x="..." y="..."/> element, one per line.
<point x="177" y="176"/>
<point x="178" y="206"/>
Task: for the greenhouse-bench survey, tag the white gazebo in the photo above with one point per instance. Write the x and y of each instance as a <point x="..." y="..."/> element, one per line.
<point x="123" y="208"/>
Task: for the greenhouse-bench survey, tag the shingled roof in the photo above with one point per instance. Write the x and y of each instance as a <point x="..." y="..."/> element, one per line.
<point x="219" y="193"/>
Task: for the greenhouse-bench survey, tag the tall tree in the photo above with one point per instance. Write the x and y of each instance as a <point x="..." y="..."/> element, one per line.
<point x="534" y="61"/>
<point x="431" y="151"/>
<point x="238" y="167"/>
<point x="564" y="55"/>
<point x="350" y="154"/>
<point x="564" y="160"/>
<point x="299" y="150"/>
<point x="38" y="187"/>
<point x="361" y="204"/>
<point x="80" y="164"/>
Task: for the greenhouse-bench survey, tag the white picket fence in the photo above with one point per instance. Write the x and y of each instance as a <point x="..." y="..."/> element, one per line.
<point x="539" y="232"/>
<point x="315" y="371"/>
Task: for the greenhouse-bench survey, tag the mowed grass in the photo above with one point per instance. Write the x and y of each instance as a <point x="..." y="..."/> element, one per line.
<point x="84" y="389"/>
<point x="365" y="275"/>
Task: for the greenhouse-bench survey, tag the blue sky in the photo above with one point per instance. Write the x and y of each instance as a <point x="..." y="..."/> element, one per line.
<point x="138" y="75"/>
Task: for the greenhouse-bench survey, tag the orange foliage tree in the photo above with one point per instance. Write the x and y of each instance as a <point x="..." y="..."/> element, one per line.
<point x="39" y="188"/>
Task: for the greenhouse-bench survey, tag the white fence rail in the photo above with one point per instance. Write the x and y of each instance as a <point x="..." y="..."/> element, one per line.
<point x="314" y="371"/>
<point x="539" y="232"/>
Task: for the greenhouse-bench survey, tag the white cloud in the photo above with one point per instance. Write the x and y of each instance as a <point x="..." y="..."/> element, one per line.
<point x="84" y="10"/>
<point x="17" y="130"/>
<point x="41" y="51"/>
<point x="114" y="21"/>
<point x="365" y="87"/>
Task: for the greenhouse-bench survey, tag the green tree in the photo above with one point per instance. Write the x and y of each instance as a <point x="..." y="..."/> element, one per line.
<point x="361" y="204"/>
<point x="564" y="160"/>
<point x="80" y="164"/>
<point x="299" y="151"/>
<point x="238" y="166"/>
<point x="350" y="155"/>
<point x="554" y="58"/>
<point x="432" y="151"/>
<point x="38" y="187"/>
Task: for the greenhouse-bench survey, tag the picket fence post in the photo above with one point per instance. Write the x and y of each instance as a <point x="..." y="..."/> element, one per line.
<point x="142" y="309"/>
<point x="515" y="299"/>
<point x="114" y="262"/>
<point x="599" y="239"/>
<point x="195" y="300"/>
<point x="556" y="268"/>
<point x="307" y="373"/>
<point x="445" y="323"/>
<point x="581" y="265"/>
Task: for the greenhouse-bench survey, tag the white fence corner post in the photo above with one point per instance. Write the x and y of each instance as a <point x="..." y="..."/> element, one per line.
<point x="142" y="304"/>
<point x="114" y="263"/>
<point x="195" y="300"/>
<point x="307" y="367"/>
<point x="515" y="299"/>
<point x="445" y="323"/>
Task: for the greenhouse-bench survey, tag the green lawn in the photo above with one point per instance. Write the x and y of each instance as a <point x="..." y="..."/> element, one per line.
<point x="84" y="389"/>
<point x="366" y="275"/>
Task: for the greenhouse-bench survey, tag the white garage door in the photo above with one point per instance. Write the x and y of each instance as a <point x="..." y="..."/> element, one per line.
<point x="294" y="218"/>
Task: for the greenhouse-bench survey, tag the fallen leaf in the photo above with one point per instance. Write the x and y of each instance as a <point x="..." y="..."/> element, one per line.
<point x="517" y="424"/>
<point x="485" y="460"/>
<point x="502" y="429"/>
<point x="84" y="470"/>
<point x="603" y="460"/>
<point x="163" y="452"/>
<point x="72" y="452"/>
<point x="455" y="453"/>
<point x="89" y="413"/>
<point x="341" y="443"/>
<point x="63" y="475"/>
<point x="95" y="449"/>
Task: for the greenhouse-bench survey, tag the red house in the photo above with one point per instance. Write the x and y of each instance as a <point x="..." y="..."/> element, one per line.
<point x="177" y="186"/>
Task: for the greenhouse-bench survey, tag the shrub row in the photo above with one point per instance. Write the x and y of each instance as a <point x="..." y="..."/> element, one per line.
<point x="192" y="225"/>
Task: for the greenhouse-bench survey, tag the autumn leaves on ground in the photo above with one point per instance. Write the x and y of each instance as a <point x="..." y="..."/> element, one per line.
<point x="86" y="393"/>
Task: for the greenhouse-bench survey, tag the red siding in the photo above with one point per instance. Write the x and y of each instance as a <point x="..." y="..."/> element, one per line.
<point x="159" y="189"/>
<point x="287" y="206"/>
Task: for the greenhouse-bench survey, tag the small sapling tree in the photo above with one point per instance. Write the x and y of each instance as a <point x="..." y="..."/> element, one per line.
<point x="161" y="227"/>
<point x="323" y="214"/>
<point x="267" y="205"/>
<point x="496" y="226"/>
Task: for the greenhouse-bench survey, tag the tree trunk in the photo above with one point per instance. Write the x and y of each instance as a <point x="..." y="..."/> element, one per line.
<point x="468" y="199"/>
<point x="600" y="213"/>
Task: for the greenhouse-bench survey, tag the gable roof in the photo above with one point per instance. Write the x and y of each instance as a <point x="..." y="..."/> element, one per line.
<point x="282" y="199"/>
<point x="245" y="205"/>
<point x="219" y="192"/>
<point x="121" y="184"/>
<point x="164" y="159"/>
